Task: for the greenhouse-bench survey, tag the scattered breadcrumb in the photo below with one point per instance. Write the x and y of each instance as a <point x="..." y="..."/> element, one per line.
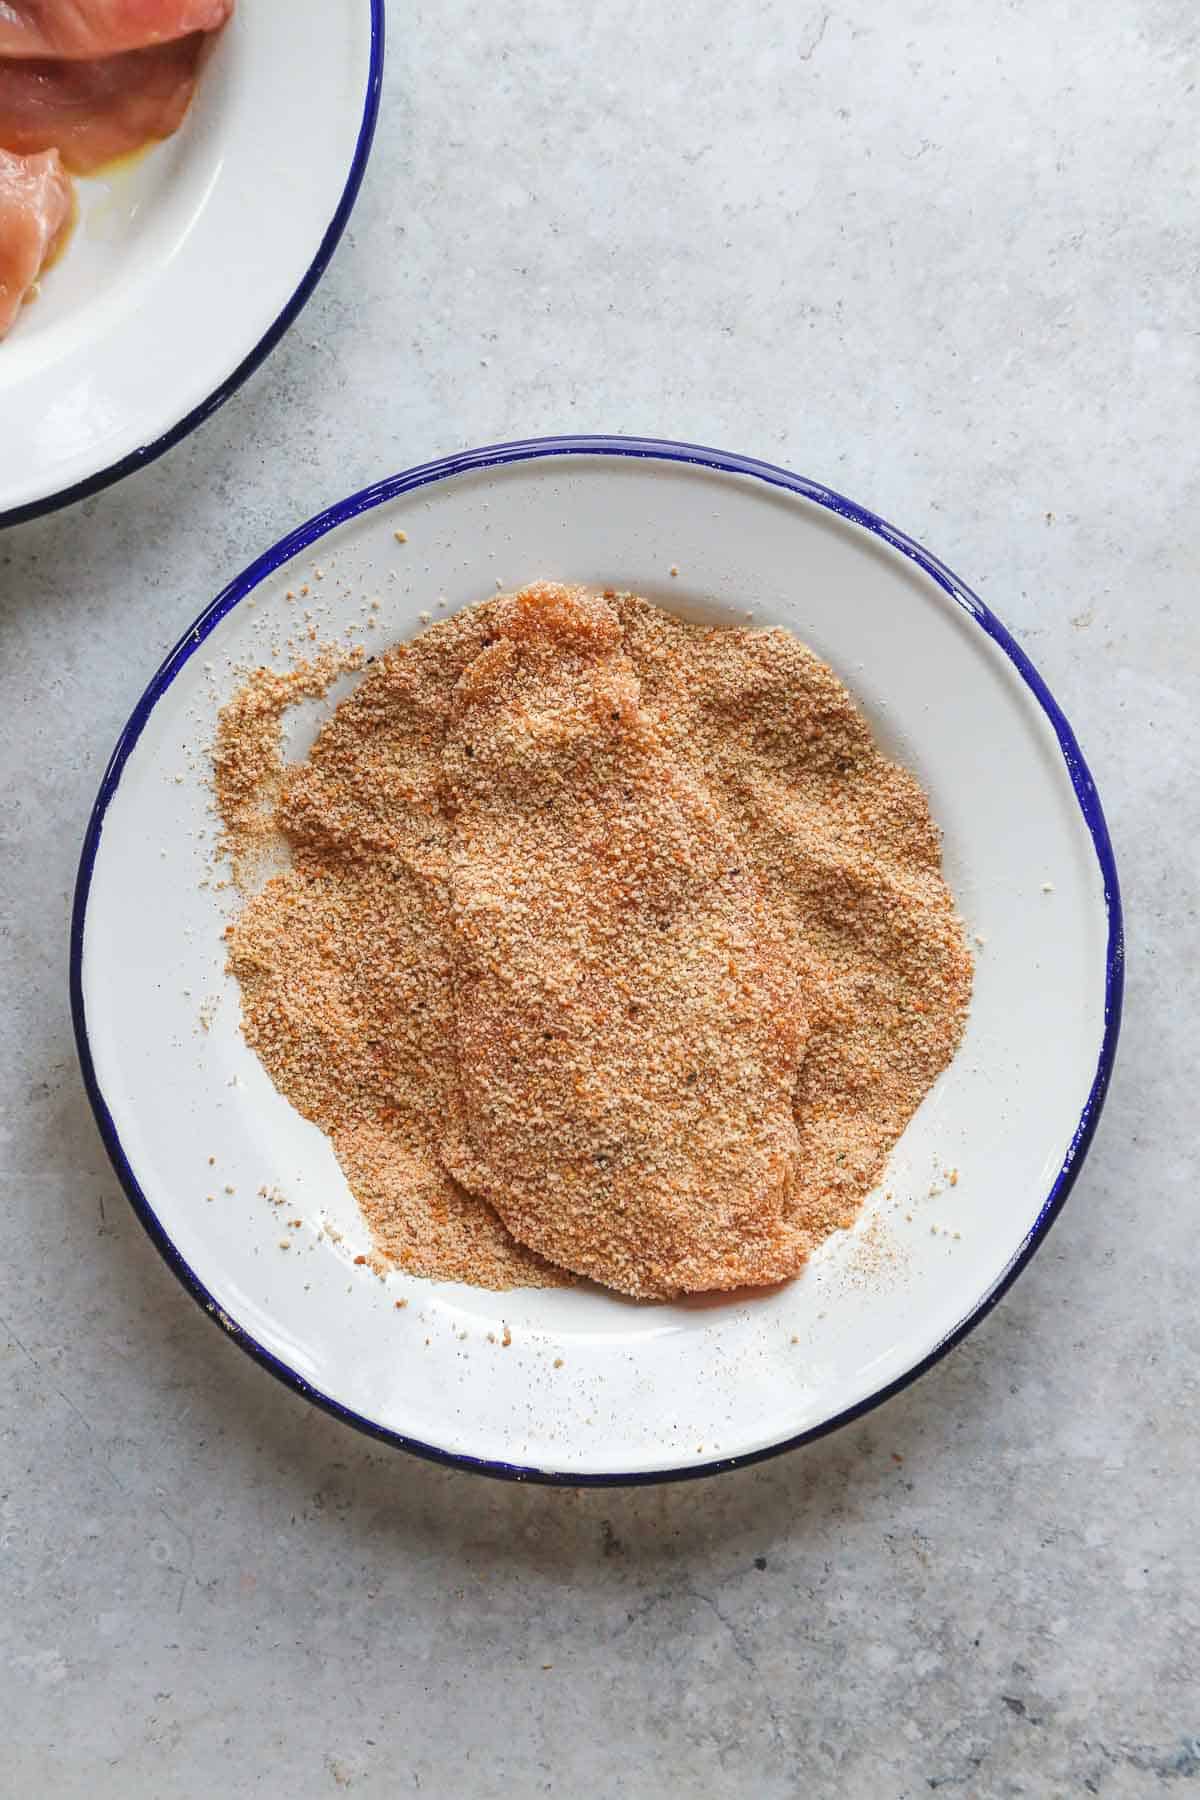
<point x="875" y="1254"/>
<point x="248" y="754"/>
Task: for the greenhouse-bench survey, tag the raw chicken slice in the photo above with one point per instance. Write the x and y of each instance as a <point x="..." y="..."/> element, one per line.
<point x="95" y="111"/>
<point x="36" y="206"/>
<point x="86" y="28"/>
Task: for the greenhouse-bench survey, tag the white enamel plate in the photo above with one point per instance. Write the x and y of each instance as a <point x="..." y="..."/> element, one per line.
<point x="189" y="263"/>
<point x="580" y="1385"/>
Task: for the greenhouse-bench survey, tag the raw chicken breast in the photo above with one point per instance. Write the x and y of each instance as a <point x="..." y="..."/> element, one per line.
<point x="36" y="206"/>
<point x="95" y="111"/>
<point x="83" y="28"/>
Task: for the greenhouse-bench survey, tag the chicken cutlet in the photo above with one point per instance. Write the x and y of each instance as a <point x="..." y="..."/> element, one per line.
<point x="629" y="1033"/>
<point x="843" y="843"/>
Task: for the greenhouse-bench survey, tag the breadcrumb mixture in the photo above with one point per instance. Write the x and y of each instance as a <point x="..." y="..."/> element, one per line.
<point x="248" y="753"/>
<point x="608" y="941"/>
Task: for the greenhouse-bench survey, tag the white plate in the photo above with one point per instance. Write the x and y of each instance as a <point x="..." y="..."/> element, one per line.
<point x="643" y="1392"/>
<point x="187" y="265"/>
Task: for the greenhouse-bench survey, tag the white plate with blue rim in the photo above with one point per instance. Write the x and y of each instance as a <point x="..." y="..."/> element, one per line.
<point x="579" y="1386"/>
<point x="189" y="262"/>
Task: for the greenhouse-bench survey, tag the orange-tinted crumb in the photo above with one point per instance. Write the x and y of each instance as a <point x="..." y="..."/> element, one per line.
<point x="748" y="756"/>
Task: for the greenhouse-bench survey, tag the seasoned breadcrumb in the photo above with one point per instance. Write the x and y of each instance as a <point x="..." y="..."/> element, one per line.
<point x="248" y="754"/>
<point x="677" y="851"/>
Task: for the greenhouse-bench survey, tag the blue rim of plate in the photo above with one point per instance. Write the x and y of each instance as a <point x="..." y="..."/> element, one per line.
<point x="148" y="453"/>
<point x="665" y="450"/>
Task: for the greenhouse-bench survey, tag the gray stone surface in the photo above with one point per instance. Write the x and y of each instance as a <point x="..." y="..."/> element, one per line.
<point x="942" y="256"/>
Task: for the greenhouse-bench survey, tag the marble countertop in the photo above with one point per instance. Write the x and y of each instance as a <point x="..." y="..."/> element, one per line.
<point x="943" y="258"/>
